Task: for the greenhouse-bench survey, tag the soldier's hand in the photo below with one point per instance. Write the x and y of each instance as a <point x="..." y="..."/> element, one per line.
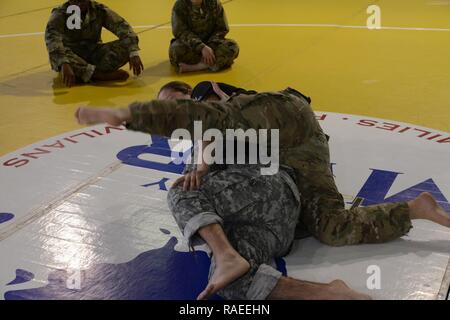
<point x="136" y="65"/>
<point x="67" y="74"/>
<point x="192" y="180"/>
<point x="208" y="55"/>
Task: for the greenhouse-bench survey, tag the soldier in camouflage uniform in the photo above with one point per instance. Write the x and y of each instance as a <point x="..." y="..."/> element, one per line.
<point x="258" y="214"/>
<point x="80" y="55"/>
<point x="303" y="147"/>
<point x="200" y="27"/>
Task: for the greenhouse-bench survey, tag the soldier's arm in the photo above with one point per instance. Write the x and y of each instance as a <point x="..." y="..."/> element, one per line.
<point x="54" y="38"/>
<point x="121" y="28"/>
<point x="163" y="117"/>
<point x="181" y="30"/>
<point x="221" y="28"/>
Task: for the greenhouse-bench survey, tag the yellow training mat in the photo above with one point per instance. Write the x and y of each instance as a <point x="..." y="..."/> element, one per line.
<point x="398" y="74"/>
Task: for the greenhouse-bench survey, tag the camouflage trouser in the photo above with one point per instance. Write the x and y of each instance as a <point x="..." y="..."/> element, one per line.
<point x="106" y="57"/>
<point x="258" y="214"/>
<point x="226" y="51"/>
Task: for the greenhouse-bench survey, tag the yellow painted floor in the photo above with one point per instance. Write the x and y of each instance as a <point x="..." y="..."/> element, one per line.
<point x="399" y="73"/>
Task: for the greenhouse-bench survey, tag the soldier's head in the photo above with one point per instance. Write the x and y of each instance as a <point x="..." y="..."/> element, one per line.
<point x="197" y="2"/>
<point x="175" y="90"/>
<point x="82" y="4"/>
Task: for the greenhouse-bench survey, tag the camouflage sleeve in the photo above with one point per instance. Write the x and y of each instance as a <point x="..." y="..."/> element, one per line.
<point x="121" y="28"/>
<point x="54" y="38"/>
<point x="221" y="28"/>
<point x="181" y="30"/>
<point x="163" y="117"/>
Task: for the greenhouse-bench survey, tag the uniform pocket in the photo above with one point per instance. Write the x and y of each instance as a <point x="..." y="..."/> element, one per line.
<point x="233" y="190"/>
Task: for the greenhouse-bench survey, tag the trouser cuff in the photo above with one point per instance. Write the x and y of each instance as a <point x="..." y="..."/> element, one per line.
<point x="196" y="223"/>
<point x="263" y="283"/>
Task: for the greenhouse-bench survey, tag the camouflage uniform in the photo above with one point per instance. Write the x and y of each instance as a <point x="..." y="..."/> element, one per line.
<point x="83" y="49"/>
<point x="303" y="147"/>
<point x="258" y="214"/>
<point x="194" y="27"/>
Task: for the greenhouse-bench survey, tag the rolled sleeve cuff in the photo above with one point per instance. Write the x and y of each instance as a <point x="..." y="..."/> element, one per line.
<point x="196" y="223"/>
<point x="134" y="54"/>
<point x="263" y="283"/>
<point x="87" y="75"/>
<point x="200" y="47"/>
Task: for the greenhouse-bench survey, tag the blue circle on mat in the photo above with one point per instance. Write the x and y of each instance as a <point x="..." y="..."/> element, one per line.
<point x="5" y="216"/>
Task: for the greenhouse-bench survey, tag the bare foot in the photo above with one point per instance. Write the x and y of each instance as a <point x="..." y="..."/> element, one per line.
<point x="89" y="116"/>
<point x="183" y="67"/>
<point x="229" y="268"/>
<point x="118" y="75"/>
<point x="338" y="290"/>
<point x="426" y="207"/>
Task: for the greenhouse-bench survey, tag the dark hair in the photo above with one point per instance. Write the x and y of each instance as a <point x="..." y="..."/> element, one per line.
<point x="177" y="86"/>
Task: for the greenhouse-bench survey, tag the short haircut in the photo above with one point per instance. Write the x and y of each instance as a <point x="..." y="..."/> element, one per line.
<point x="177" y="86"/>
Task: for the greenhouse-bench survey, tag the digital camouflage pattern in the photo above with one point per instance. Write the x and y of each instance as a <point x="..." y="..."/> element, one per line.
<point x="83" y="49"/>
<point x="303" y="147"/>
<point x="194" y="27"/>
<point x="257" y="212"/>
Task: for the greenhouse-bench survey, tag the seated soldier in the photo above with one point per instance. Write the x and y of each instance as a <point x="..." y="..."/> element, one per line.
<point x="200" y="27"/>
<point x="79" y="54"/>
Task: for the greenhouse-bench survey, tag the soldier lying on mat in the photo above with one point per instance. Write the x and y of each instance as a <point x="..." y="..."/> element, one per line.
<point x="204" y="91"/>
<point x="247" y="262"/>
<point x="77" y="51"/>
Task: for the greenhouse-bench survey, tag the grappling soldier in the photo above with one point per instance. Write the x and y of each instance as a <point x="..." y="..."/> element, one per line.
<point x="304" y="148"/>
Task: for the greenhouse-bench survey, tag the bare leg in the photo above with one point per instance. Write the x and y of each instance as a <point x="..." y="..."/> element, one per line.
<point x="293" y="289"/>
<point x="118" y="75"/>
<point x="183" y="67"/>
<point x="230" y="265"/>
<point x="426" y="207"/>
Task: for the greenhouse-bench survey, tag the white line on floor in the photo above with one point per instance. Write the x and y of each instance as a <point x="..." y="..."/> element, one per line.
<point x="44" y="209"/>
<point x="256" y="25"/>
<point x="17" y="35"/>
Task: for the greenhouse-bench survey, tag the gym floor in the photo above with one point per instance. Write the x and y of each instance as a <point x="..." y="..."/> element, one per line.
<point x="400" y="73"/>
